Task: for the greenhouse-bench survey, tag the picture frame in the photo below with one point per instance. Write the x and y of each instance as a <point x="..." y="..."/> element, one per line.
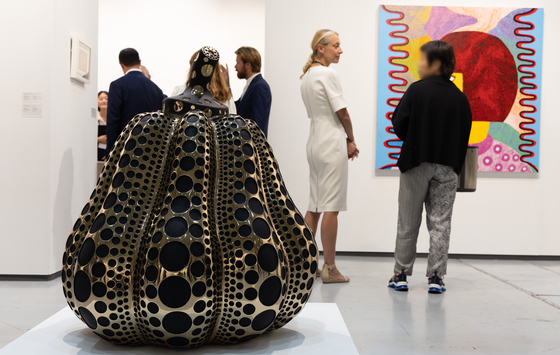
<point x="80" y="60"/>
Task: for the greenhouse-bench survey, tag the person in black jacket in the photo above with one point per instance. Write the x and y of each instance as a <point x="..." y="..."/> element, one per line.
<point x="433" y="119"/>
<point x="131" y="94"/>
<point x="256" y="98"/>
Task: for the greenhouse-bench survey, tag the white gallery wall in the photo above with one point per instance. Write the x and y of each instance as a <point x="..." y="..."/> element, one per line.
<point x="47" y="170"/>
<point x="166" y="33"/>
<point x="509" y="214"/>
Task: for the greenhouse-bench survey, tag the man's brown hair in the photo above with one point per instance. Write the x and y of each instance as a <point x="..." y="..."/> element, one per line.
<point x="252" y="56"/>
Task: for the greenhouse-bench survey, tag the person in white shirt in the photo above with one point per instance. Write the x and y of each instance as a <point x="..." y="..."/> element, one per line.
<point x="329" y="147"/>
<point x="102" y="99"/>
<point x="218" y="87"/>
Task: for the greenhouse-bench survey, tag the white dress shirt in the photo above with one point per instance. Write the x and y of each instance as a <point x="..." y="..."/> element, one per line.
<point x="247" y="84"/>
<point x="133" y="69"/>
<point x="101" y="122"/>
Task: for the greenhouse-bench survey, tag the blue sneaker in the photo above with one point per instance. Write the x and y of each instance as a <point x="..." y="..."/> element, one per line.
<point x="398" y="282"/>
<point x="436" y="284"/>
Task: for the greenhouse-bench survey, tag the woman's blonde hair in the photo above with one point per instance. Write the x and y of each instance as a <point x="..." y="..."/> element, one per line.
<point x="322" y="37"/>
<point x="218" y="85"/>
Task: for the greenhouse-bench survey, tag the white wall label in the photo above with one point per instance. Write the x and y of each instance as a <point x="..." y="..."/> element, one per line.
<point x="32" y="105"/>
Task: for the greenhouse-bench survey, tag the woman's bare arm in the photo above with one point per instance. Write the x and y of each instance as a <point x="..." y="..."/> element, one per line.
<point x="344" y="118"/>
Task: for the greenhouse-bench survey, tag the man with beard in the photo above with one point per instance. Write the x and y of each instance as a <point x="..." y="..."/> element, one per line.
<point x="256" y="98"/>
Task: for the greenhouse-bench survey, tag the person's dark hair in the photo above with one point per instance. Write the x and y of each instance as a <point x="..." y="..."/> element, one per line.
<point x="99" y="94"/>
<point x="442" y="51"/>
<point x="129" y="57"/>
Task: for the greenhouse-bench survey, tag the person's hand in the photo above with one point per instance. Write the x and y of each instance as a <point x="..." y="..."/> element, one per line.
<point x="353" y="150"/>
<point x="225" y="73"/>
<point x="102" y="139"/>
<point x="104" y="158"/>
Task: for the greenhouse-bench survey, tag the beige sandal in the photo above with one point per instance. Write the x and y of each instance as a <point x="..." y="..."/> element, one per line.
<point x="326" y="278"/>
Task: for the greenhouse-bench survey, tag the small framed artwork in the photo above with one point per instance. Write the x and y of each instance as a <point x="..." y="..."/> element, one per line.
<point x="80" y="60"/>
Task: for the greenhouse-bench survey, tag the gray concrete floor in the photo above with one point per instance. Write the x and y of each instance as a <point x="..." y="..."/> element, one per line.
<point x="24" y="304"/>
<point x="491" y="307"/>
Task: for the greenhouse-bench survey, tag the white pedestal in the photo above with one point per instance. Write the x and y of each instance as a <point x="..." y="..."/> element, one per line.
<point x="318" y="329"/>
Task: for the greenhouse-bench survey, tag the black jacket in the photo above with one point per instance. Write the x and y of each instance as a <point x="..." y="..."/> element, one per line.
<point x="129" y="95"/>
<point x="433" y="119"/>
<point x="256" y="102"/>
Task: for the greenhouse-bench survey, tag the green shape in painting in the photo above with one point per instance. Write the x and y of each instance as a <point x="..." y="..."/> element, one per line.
<point x="503" y="132"/>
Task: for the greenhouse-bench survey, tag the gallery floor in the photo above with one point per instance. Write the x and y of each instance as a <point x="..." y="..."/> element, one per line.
<point x="492" y="307"/>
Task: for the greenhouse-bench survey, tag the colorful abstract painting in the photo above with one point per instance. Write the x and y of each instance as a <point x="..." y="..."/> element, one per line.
<point x="499" y="56"/>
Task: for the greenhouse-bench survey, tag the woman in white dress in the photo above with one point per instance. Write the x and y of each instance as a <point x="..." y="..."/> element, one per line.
<point x="218" y="87"/>
<point x="331" y="144"/>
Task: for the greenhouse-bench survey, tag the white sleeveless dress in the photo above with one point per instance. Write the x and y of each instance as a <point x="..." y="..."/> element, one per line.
<point x="327" y="153"/>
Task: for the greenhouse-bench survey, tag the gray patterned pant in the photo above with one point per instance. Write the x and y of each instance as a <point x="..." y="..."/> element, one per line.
<point x="435" y="186"/>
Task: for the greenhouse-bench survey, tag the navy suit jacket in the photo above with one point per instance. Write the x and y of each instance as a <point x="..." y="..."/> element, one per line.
<point x="256" y="102"/>
<point x="129" y="95"/>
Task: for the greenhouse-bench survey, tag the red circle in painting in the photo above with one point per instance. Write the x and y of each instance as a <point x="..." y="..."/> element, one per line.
<point x="489" y="74"/>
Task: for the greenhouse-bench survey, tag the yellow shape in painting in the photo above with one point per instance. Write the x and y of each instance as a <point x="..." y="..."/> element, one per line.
<point x="413" y="50"/>
<point x="415" y="17"/>
<point x="479" y="129"/>
<point x="457" y="79"/>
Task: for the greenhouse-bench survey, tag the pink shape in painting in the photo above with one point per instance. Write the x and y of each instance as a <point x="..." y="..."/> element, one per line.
<point x="498" y="157"/>
<point x="443" y="21"/>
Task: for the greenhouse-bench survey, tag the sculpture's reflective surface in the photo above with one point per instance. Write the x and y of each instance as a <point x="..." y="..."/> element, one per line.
<point x="190" y="236"/>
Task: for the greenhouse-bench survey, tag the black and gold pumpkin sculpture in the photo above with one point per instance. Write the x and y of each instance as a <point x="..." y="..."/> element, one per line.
<point x="190" y="236"/>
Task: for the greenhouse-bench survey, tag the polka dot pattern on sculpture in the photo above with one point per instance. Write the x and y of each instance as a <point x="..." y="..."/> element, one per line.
<point x="110" y="229"/>
<point x="181" y="244"/>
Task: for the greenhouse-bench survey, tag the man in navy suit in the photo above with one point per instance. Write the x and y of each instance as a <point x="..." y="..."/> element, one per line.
<point x="256" y="98"/>
<point x="129" y="95"/>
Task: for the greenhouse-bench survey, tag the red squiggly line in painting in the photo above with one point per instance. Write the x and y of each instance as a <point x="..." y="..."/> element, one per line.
<point x="527" y="74"/>
<point x="393" y="142"/>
